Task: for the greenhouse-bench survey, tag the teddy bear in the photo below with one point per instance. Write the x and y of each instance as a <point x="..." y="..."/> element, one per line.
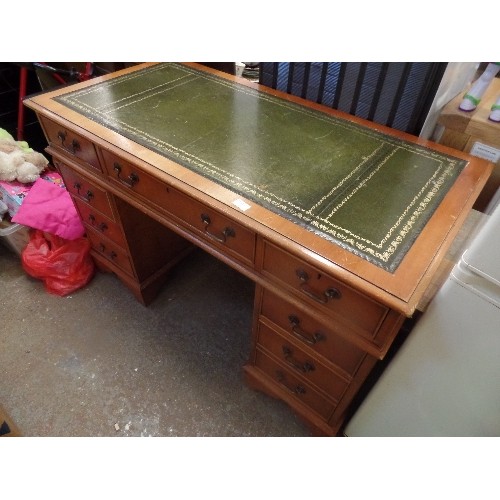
<point x="19" y="162"/>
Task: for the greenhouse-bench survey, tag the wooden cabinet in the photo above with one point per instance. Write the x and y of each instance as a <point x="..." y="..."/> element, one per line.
<point x="323" y="314"/>
<point x="330" y="297"/>
<point x="135" y="247"/>
<point x="309" y="333"/>
<point x="311" y="357"/>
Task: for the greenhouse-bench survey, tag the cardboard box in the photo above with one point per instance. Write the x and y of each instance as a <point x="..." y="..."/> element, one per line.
<point x="54" y="177"/>
<point x="13" y="194"/>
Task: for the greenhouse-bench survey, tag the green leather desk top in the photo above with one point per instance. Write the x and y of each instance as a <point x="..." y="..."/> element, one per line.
<point x="369" y="192"/>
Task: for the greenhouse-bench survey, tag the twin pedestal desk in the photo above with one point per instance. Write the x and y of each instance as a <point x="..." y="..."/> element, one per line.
<point x="340" y="223"/>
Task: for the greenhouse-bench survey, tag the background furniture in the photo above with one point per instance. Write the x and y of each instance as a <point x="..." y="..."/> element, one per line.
<point x="474" y="133"/>
<point x="396" y="94"/>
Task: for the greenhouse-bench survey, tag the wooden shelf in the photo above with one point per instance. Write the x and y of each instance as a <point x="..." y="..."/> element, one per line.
<point x="474" y="124"/>
<point x="462" y="130"/>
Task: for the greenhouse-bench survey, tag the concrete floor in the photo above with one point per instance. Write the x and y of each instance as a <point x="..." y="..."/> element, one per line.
<point x="98" y="363"/>
<point x="78" y="365"/>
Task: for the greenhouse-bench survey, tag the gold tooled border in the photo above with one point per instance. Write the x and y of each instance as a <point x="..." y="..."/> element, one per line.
<point x="387" y="253"/>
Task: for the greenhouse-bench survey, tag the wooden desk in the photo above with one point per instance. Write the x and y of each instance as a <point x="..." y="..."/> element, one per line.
<point x="341" y="223"/>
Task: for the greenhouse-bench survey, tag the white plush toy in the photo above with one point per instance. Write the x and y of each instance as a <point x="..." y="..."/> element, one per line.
<point x="18" y="162"/>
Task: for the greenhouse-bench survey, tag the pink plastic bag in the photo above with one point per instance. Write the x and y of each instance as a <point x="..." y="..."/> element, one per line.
<point x="48" y="207"/>
<point x="63" y="265"/>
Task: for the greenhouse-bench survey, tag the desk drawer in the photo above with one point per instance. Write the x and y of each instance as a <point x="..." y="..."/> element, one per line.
<point x="110" y="250"/>
<point x="333" y="297"/>
<point x="83" y="189"/>
<point x="72" y="143"/>
<point x="128" y="176"/>
<point x="95" y="220"/>
<point x="301" y="363"/>
<point x="311" y="333"/>
<point x="214" y="227"/>
<point x="294" y="385"/>
<point x="210" y="224"/>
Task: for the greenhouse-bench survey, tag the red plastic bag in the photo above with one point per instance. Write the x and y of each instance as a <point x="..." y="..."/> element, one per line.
<point x="63" y="265"/>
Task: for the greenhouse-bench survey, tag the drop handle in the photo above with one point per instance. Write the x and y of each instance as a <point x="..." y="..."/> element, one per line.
<point x="321" y="297"/>
<point x="298" y="389"/>
<point x="297" y="365"/>
<point x="87" y="196"/>
<point x="301" y="334"/>
<point x="227" y="232"/>
<point x="129" y="181"/>
<point x="101" y="226"/>
<point x="75" y="146"/>
<point x="61" y="135"/>
<point x="112" y="255"/>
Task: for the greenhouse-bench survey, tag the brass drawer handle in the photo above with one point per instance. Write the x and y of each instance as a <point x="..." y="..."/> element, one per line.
<point x="74" y="146"/>
<point x="112" y="255"/>
<point x="323" y="298"/>
<point x="298" y="389"/>
<point x="226" y="233"/>
<point x="101" y="227"/>
<point x="303" y="335"/>
<point x="130" y="181"/>
<point x="301" y="367"/>
<point x="61" y="135"/>
<point x="87" y="196"/>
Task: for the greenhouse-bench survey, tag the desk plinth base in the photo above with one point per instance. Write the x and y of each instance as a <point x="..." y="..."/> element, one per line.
<point x="256" y="380"/>
<point x="146" y="291"/>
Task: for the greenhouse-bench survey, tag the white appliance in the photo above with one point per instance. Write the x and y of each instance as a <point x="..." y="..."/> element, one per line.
<point x="445" y="378"/>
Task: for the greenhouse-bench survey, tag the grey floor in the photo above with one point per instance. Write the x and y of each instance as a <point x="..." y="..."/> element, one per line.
<point x="98" y="363"/>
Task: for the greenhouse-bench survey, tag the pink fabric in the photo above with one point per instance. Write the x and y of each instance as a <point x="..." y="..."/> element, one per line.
<point x="48" y="207"/>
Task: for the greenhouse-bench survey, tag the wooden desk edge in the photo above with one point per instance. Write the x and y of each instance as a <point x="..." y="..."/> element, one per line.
<point x="354" y="270"/>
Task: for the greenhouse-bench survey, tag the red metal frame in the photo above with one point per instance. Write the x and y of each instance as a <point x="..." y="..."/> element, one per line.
<point x="57" y="74"/>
